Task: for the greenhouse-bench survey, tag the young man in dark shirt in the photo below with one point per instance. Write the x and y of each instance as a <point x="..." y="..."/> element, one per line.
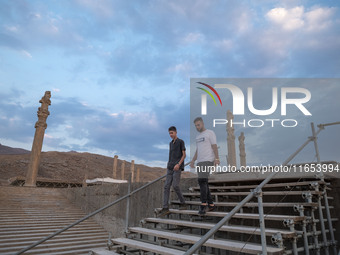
<point x="174" y="168"/>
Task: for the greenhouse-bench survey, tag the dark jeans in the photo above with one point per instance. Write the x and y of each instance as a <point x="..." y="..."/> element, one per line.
<point x="203" y="176"/>
<point x="205" y="191"/>
<point x="172" y="177"/>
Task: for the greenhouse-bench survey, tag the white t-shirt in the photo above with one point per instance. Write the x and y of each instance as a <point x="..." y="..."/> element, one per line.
<point x="204" y="140"/>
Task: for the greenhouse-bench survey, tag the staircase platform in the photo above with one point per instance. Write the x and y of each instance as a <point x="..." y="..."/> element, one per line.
<point x="252" y="204"/>
<point x="271" y="185"/>
<point x="146" y="246"/>
<point x="225" y="228"/>
<point x="223" y="244"/>
<point x="265" y="193"/>
<point x="101" y="251"/>
<point x="273" y="217"/>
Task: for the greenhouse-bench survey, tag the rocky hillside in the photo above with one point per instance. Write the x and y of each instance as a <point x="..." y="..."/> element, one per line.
<point x="71" y="166"/>
<point x="5" y="150"/>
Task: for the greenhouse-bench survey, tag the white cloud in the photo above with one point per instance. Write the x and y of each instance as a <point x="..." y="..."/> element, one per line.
<point x="12" y="28"/>
<point x="161" y="146"/>
<point x="26" y="54"/>
<point x="103" y="8"/>
<point x="185" y="68"/>
<point x="288" y="19"/>
<point x="224" y="45"/>
<point x="48" y="136"/>
<point x="319" y="19"/>
<point x="115" y="114"/>
<point x="243" y="22"/>
<point x="193" y="37"/>
<point x="296" y="18"/>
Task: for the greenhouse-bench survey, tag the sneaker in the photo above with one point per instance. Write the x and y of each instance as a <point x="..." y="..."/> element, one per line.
<point x="163" y="212"/>
<point x="211" y="207"/>
<point x="183" y="206"/>
<point x="202" y="210"/>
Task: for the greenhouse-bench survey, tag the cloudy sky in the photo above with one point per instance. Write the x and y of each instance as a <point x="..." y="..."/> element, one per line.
<point x="119" y="71"/>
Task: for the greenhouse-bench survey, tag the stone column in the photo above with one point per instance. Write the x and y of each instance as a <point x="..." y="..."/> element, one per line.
<point x="40" y="126"/>
<point x="132" y="170"/>
<point x="115" y="162"/>
<point x="84" y="181"/>
<point x="123" y="170"/>
<point x="231" y="158"/>
<point x="138" y="175"/>
<point x="241" y="145"/>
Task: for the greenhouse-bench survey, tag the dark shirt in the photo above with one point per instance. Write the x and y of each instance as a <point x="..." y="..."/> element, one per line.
<point x="175" y="153"/>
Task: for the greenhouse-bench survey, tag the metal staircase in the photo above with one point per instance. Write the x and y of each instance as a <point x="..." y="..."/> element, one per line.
<point x="291" y="214"/>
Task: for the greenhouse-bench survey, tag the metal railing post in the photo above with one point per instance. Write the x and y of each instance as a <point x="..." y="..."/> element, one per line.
<point x="259" y="194"/>
<point x="329" y="219"/>
<point x="128" y="207"/>
<point x="300" y="209"/>
<point x="320" y="175"/>
<point x="330" y="225"/>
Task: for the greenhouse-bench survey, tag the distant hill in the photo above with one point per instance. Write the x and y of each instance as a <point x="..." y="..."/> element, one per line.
<point x="6" y="150"/>
<point x="71" y="166"/>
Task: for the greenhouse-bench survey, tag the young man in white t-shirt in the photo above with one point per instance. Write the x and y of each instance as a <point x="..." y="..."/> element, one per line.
<point x="207" y="156"/>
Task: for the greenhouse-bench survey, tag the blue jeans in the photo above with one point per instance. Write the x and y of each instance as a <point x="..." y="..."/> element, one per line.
<point x="172" y="178"/>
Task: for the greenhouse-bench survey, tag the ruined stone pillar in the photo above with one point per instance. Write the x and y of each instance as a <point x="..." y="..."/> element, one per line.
<point x="132" y="170"/>
<point x="231" y="158"/>
<point x="138" y="175"/>
<point x="115" y="162"/>
<point x="84" y="181"/>
<point x="242" y="150"/>
<point x="40" y="126"/>
<point x="123" y="170"/>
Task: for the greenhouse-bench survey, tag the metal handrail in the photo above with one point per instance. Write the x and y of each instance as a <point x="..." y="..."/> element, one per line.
<point x="226" y="218"/>
<point x="90" y="215"/>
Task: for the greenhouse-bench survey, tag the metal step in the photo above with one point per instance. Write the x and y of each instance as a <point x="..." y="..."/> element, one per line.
<point x="100" y="251"/>
<point x="271" y="185"/>
<point x="251" y="204"/>
<point x="265" y="193"/>
<point x="223" y="244"/>
<point x="273" y="217"/>
<point x="226" y="228"/>
<point x="146" y="246"/>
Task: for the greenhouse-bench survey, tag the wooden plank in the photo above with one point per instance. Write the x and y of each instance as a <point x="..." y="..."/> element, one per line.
<point x="266" y="204"/>
<point x="225" y="228"/>
<point x="267" y="193"/>
<point x="273" y="217"/>
<point x="146" y="246"/>
<point x="224" y="244"/>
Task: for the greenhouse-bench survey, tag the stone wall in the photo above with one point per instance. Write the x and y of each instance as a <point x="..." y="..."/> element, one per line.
<point x="142" y="204"/>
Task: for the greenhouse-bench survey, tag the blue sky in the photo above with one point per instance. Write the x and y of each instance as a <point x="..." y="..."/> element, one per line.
<point x="119" y="71"/>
